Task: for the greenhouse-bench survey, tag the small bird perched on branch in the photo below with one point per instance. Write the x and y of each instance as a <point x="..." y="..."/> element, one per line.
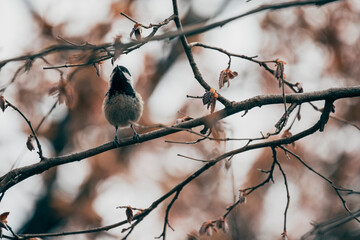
<point x="122" y="105"/>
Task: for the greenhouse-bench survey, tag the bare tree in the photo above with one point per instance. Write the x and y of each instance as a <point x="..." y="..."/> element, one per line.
<point x="203" y="139"/>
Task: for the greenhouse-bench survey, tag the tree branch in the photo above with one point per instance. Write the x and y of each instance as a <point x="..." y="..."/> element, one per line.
<point x="190" y="30"/>
<point x="189" y="55"/>
<point x="180" y="186"/>
<point x="17" y="175"/>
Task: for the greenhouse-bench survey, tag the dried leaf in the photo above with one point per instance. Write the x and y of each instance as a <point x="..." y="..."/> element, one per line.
<point x="28" y="64"/>
<point x="279" y="71"/>
<point x="299" y="86"/>
<point x="118" y="48"/>
<point x="206" y="98"/>
<point x="208" y="228"/>
<point x="209" y="98"/>
<point x="29" y="143"/>
<point x="228" y="164"/>
<point x="220" y="224"/>
<point x="242" y="196"/>
<point x="225" y="76"/>
<point x="287" y="134"/>
<point x="129" y="214"/>
<point x="64" y="92"/>
<point x="137" y="29"/>
<point x="3" y="221"/>
<point x="2" y="103"/>
<point x="213" y="103"/>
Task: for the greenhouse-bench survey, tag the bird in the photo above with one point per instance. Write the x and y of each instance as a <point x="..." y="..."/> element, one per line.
<point x="122" y="105"/>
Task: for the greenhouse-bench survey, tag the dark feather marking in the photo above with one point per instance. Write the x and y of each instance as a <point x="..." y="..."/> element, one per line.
<point x="119" y="83"/>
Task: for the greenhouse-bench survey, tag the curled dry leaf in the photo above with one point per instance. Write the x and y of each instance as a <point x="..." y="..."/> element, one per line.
<point x="228" y="164"/>
<point x="242" y="196"/>
<point x="137" y="29"/>
<point x="129" y="214"/>
<point x="118" y="48"/>
<point x="287" y="134"/>
<point x="64" y="92"/>
<point x="220" y="224"/>
<point x="2" y="103"/>
<point x="279" y="71"/>
<point x="209" y="98"/>
<point x="29" y="143"/>
<point x="28" y="64"/>
<point x="299" y="87"/>
<point x="3" y="221"/>
<point x="225" y="76"/>
<point x="208" y="228"/>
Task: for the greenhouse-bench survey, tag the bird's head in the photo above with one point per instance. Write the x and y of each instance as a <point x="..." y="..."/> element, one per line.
<point x="121" y="74"/>
<point x="121" y="81"/>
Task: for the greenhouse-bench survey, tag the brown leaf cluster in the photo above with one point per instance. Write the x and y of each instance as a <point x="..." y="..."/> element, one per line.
<point x="29" y="143"/>
<point x="225" y="76"/>
<point x="3" y="222"/>
<point x="209" y="99"/>
<point x="137" y="30"/>
<point x="118" y="48"/>
<point x="279" y="71"/>
<point x="129" y="214"/>
<point x="64" y="92"/>
<point x="2" y="103"/>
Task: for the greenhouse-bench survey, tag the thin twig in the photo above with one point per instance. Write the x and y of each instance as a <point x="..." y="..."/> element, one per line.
<point x="320" y="229"/>
<point x="46" y="115"/>
<point x="191" y="59"/>
<point x="194" y="159"/>
<point x="31" y="128"/>
<point x="166" y="220"/>
<point x="286" y="186"/>
<point x="336" y="189"/>
<point x="252" y="59"/>
<point x="123" y="14"/>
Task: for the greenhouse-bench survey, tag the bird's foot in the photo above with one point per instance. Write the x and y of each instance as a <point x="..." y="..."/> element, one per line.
<point x="136" y="137"/>
<point x="116" y="141"/>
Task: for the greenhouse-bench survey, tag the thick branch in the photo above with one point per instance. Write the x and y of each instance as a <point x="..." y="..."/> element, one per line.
<point x="17" y="175"/>
<point x="196" y="174"/>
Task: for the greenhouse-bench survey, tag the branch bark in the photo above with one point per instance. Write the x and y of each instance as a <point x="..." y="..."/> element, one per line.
<point x="17" y="175"/>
